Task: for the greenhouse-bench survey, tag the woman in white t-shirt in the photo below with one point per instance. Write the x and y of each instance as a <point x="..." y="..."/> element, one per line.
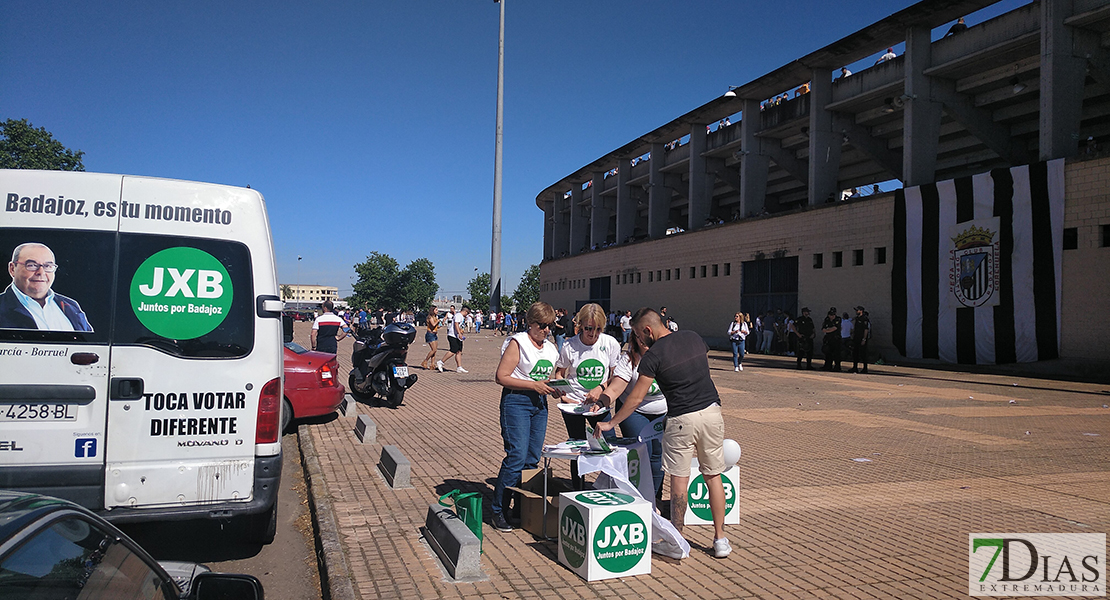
<point x="650" y="417"/>
<point x="737" y="334"/>
<point x="586" y="361"/>
<point x="527" y="361"/>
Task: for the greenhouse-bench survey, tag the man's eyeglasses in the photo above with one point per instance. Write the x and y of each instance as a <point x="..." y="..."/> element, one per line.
<point x="590" y="328"/>
<point x="33" y="266"/>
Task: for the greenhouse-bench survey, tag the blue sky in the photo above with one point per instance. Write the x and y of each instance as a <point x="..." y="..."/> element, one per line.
<point x="369" y="126"/>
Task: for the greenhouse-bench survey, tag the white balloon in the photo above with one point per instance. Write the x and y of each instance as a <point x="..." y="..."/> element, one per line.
<point x="732" y="452"/>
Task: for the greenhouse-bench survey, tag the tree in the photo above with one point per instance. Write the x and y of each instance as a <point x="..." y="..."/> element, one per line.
<point x="417" y="284"/>
<point x="382" y="285"/>
<point x="377" y="281"/>
<point x="286" y="291"/>
<point x="479" y="291"/>
<point x="24" y="147"/>
<point x="529" y="289"/>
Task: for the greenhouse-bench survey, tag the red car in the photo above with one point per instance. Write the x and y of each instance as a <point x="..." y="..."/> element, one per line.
<point x="312" y="387"/>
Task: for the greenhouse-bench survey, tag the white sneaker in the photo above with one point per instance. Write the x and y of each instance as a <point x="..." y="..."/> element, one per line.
<point x="721" y="548"/>
<point x="737" y="369"/>
<point x="740" y="368"/>
<point x="667" y="548"/>
<point x="439" y="366"/>
<point x="462" y="370"/>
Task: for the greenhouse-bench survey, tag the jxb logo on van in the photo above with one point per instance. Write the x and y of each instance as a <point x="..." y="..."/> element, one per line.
<point x="181" y="293"/>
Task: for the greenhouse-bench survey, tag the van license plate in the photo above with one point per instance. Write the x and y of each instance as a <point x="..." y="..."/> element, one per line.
<point x="10" y="413"/>
<point x="400" y="371"/>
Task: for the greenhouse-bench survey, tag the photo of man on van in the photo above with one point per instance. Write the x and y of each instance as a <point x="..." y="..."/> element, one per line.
<point x="29" y="303"/>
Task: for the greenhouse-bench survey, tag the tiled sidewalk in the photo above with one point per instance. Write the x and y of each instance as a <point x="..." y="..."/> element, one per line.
<point x="947" y="454"/>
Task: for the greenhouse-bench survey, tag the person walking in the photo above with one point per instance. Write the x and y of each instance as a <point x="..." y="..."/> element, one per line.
<point x="527" y="361"/>
<point x="455" y="339"/>
<point x="327" y="330"/>
<point x="830" y="343"/>
<point x="431" y="337"/>
<point x="861" y="332"/>
<point x="626" y="325"/>
<point x="678" y="361"/>
<point x="586" y="361"/>
<point x="737" y="334"/>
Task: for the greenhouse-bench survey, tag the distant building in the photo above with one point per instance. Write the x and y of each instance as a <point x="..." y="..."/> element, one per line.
<point x="306" y="295"/>
<point x="753" y="217"/>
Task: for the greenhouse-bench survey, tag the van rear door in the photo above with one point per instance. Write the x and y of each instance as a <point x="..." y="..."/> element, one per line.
<point x="182" y="429"/>
<point x="56" y="363"/>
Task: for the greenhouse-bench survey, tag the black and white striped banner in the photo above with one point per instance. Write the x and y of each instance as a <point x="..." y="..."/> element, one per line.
<point x="976" y="275"/>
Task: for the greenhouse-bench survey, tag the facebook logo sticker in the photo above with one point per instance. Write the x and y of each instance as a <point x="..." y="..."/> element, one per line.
<point x="85" y="448"/>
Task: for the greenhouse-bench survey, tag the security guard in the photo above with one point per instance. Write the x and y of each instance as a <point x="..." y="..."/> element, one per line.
<point x="830" y="345"/>
<point x="804" y="329"/>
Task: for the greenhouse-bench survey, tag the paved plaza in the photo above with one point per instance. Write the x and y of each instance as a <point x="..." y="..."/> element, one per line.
<point x="852" y="486"/>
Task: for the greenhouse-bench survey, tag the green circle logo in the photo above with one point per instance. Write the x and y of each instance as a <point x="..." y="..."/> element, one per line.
<point x="572" y="536"/>
<point x="604" y="498"/>
<point x="590" y="373"/>
<point x="698" y="497"/>
<point x="181" y="293"/>
<point x="620" y="541"/>
<point x="542" y="370"/>
<point x="634" y="467"/>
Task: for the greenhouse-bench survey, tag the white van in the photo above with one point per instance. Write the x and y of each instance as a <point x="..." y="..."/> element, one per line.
<point x="140" y="347"/>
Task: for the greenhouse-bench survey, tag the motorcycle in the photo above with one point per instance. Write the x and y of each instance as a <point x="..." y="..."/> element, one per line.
<point x="379" y="363"/>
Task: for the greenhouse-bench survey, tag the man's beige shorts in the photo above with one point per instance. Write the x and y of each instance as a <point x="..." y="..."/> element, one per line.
<point x="702" y="432"/>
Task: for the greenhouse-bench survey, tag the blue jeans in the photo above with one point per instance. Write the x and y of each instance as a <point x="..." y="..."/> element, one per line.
<point x="523" y="427"/>
<point x="737" y="352"/>
<point x="478" y="327"/>
<point x="626" y="332"/>
<point x="559" y="339"/>
<point x="631" y="427"/>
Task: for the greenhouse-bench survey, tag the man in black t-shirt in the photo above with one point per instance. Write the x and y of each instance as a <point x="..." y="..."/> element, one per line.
<point x="678" y="362"/>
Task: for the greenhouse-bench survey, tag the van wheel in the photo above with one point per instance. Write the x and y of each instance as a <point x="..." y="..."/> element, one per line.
<point x="262" y="527"/>
<point x="286" y="415"/>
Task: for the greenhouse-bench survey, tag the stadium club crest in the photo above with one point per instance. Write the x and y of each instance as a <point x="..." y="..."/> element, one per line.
<point x="973" y="279"/>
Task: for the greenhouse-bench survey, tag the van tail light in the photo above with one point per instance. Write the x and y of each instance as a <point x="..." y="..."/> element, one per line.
<point x="269" y="413"/>
<point x="326" y="373"/>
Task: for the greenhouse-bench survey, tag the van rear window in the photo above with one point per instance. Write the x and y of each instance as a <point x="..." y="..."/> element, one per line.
<point x="59" y="286"/>
<point x="185" y="296"/>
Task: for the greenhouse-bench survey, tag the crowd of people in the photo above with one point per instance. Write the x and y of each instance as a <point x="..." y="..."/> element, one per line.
<point x="780" y="333"/>
<point x="653" y="372"/>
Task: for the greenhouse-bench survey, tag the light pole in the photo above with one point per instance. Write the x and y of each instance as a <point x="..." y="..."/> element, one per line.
<point x="495" y="261"/>
<point x="298" y="281"/>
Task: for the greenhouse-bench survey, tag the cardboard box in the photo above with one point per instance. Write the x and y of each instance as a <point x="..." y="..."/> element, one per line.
<point x="529" y="501"/>
<point x="604" y="534"/>
<point x="697" y="498"/>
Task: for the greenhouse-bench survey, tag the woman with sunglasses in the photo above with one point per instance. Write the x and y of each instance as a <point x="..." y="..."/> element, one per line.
<point x="586" y="361"/>
<point x="527" y="361"/>
<point x="651" y="413"/>
<point x="738" y="332"/>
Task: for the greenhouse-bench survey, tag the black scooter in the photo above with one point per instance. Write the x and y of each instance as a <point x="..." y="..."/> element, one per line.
<point x="379" y="363"/>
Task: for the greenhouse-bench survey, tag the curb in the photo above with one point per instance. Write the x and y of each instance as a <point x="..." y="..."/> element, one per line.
<point x="335" y="578"/>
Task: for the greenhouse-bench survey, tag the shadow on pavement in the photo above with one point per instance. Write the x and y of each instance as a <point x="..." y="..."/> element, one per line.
<point x="200" y="541"/>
